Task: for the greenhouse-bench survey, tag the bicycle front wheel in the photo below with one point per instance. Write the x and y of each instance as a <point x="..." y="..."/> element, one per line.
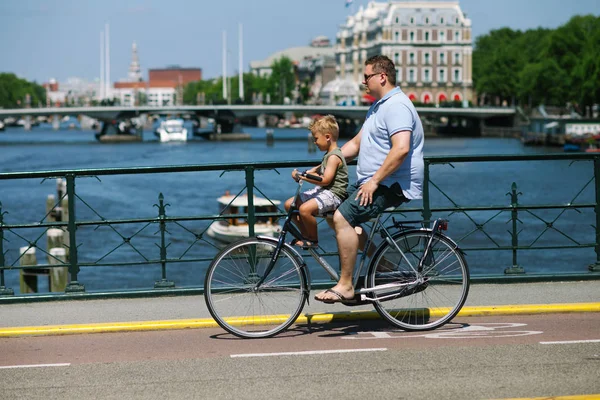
<point x="244" y="310"/>
<point x="425" y="299"/>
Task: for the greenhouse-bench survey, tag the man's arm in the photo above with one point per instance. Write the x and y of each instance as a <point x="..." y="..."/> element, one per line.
<point x="351" y="148"/>
<point x="395" y="158"/>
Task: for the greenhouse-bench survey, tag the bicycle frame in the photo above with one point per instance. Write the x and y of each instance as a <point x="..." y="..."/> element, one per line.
<point x="385" y="233"/>
<point x="377" y="226"/>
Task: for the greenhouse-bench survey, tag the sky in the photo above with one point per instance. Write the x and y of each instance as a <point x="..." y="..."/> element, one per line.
<point x="43" y="39"/>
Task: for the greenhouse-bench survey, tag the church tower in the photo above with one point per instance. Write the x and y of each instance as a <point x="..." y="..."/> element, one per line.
<point x="135" y="74"/>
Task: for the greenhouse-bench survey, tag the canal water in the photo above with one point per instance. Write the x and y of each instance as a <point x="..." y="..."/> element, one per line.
<point x="190" y="194"/>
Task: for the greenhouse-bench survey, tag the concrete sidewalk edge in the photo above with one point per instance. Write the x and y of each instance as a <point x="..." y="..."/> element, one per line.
<point x="53" y="330"/>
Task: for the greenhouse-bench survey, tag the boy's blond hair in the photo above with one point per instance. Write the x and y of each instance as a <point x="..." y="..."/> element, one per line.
<point x="325" y="125"/>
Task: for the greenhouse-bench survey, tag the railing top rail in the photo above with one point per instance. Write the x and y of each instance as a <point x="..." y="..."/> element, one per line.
<point x="155" y="170"/>
<point x="511" y="157"/>
<point x="276" y="164"/>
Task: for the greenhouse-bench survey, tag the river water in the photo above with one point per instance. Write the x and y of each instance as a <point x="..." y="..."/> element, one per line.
<point x="134" y="196"/>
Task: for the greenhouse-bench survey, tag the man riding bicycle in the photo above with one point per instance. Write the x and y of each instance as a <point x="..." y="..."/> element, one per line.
<point x="390" y="168"/>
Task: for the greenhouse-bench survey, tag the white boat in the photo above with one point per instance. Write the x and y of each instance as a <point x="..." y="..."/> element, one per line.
<point x="171" y="130"/>
<point x="1" y="125"/>
<point x="232" y="229"/>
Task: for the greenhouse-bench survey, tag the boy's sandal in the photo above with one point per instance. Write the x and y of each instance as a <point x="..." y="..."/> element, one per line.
<point x="305" y="243"/>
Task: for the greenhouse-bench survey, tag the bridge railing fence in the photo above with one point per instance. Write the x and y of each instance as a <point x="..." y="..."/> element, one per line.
<point x="160" y="245"/>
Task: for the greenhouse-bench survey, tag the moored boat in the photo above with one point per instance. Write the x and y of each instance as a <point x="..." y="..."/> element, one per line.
<point x="232" y="229"/>
<point x="171" y="130"/>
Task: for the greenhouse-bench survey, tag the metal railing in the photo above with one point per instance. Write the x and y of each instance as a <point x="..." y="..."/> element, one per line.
<point x="478" y="227"/>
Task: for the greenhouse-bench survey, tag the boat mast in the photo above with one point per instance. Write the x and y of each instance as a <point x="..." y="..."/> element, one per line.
<point x="241" y="68"/>
<point x="101" y="88"/>
<point x="107" y="60"/>
<point x="225" y="65"/>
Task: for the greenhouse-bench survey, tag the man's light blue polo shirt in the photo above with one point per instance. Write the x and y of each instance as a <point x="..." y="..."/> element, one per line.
<point x="392" y="114"/>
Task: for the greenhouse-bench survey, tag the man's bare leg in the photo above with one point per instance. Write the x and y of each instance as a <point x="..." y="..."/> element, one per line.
<point x="348" y="242"/>
<point x="362" y="236"/>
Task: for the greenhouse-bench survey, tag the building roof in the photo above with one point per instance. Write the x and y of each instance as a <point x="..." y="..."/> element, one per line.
<point x="367" y="18"/>
<point x="296" y="54"/>
<point x="175" y="68"/>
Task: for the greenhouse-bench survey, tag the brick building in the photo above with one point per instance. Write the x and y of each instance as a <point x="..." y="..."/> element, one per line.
<point x="163" y="88"/>
<point x="175" y="75"/>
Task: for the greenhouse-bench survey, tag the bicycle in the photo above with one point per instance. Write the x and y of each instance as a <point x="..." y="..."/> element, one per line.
<point x="417" y="278"/>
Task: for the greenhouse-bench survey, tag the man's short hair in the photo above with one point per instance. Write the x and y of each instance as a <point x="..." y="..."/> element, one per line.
<point x="383" y="64"/>
<point x="325" y="125"/>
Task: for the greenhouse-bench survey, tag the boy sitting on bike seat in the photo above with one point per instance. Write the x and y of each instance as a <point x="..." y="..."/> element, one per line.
<point x="330" y="191"/>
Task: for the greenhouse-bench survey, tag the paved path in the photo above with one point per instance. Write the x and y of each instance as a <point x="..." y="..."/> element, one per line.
<point x="471" y="358"/>
<point x="74" y="316"/>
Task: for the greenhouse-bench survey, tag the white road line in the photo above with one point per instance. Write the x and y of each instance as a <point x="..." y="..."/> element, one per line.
<point x="306" y="353"/>
<point x="573" y="341"/>
<point x="35" y="366"/>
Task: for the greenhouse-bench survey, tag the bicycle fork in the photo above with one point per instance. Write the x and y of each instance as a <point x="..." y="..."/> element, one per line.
<point x="272" y="262"/>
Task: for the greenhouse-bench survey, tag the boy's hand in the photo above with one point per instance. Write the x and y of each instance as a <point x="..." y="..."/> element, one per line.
<point x="296" y="175"/>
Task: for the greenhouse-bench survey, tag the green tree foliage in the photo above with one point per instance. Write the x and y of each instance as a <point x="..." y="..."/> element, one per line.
<point x="541" y="66"/>
<point x="495" y="63"/>
<point x="13" y="91"/>
<point x="282" y="80"/>
<point x="213" y="89"/>
<point x="279" y="84"/>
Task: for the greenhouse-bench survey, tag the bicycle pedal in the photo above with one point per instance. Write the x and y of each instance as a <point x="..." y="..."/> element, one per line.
<point x="356" y="301"/>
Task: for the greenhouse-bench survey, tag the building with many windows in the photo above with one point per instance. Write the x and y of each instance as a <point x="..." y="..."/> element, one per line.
<point x="429" y="41"/>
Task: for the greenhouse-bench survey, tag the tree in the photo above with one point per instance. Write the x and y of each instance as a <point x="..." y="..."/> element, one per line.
<point x="282" y="80"/>
<point x="13" y="91"/>
<point x="543" y="82"/>
<point x="495" y="63"/>
<point x="213" y="89"/>
<point x="541" y="66"/>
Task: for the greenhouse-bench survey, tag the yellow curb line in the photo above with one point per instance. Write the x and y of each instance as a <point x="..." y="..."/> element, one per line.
<point x="51" y="330"/>
<point x="575" y="397"/>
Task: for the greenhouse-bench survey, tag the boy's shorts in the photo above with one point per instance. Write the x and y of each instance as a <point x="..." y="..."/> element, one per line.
<point x="326" y="200"/>
<point x="383" y="198"/>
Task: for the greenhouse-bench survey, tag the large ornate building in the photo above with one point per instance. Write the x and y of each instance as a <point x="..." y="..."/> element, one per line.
<point x="429" y="41"/>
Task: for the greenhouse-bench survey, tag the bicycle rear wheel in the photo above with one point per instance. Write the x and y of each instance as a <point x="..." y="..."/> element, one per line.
<point x="428" y="299"/>
<point x="239" y="308"/>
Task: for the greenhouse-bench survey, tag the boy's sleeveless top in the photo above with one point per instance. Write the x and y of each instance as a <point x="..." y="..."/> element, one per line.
<point x="339" y="185"/>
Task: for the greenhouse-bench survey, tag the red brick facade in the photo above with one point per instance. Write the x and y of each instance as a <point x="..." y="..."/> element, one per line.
<point x="174" y="76"/>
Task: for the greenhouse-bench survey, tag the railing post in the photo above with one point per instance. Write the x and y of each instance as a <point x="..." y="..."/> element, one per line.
<point x="426" y="214"/>
<point x="250" y="192"/>
<point x="4" y="291"/>
<point x="596" y="266"/>
<point x="514" y="203"/>
<point x="163" y="283"/>
<point x="74" y="285"/>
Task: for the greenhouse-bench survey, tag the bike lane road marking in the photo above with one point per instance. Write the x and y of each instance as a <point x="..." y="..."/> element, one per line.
<point x="35" y="366"/>
<point x="572" y="341"/>
<point x="306" y="353"/>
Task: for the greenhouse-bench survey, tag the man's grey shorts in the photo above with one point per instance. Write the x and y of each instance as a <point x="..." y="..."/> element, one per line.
<point x="383" y="198"/>
<point x="326" y="200"/>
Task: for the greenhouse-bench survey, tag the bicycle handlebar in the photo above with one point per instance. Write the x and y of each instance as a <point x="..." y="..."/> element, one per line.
<point x="311" y="176"/>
